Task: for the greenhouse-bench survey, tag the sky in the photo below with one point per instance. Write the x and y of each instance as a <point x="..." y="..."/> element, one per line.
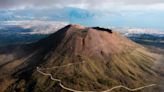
<point x="106" y="13"/>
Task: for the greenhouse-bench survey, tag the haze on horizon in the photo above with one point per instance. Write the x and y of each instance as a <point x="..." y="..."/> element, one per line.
<point x="106" y="13"/>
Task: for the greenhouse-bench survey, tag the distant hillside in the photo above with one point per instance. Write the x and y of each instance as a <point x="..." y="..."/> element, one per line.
<point x="144" y="36"/>
<point x="20" y="32"/>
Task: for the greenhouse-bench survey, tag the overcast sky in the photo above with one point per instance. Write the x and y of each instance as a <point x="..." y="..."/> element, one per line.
<point x="134" y="13"/>
<point x="86" y="4"/>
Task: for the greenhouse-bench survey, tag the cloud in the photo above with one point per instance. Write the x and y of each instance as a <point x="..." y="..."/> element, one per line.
<point x="87" y="4"/>
<point x="140" y="1"/>
<point x="38" y="3"/>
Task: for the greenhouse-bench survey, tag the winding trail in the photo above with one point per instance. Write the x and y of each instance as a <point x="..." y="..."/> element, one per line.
<point x="73" y="90"/>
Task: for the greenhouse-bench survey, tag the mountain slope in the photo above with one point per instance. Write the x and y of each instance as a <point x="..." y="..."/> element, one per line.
<point x="84" y="59"/>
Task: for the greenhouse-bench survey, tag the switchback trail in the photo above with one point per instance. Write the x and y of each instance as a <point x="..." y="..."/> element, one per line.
<point x="73" y="90"/>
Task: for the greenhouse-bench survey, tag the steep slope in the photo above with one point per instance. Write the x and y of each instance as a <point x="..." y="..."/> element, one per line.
<point x="82" y="59"/>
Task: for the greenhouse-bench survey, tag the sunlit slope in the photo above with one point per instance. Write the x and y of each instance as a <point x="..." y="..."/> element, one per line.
<point x="85" y="59"/>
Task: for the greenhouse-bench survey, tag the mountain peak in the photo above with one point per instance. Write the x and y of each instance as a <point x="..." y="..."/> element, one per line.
<point x="83" y="59"/>
<point x="96" y="55"/>
<point x="77" y="26"/>
<point x="93" y="42"/>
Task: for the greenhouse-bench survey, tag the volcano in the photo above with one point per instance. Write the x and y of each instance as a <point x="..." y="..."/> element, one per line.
<point x="78" y="58"/>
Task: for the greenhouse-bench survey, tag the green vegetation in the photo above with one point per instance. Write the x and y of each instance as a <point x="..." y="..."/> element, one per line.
<point x="97" y="62"/>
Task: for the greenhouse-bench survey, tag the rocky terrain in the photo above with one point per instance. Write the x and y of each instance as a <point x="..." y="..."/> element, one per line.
<point x="78" y="58"/>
